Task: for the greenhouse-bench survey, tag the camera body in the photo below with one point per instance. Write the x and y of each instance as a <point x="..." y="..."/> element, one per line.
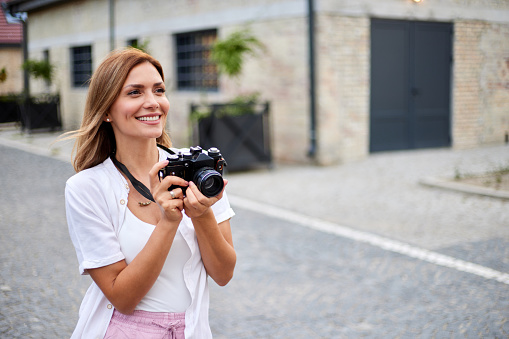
<point x="204" y="168"/>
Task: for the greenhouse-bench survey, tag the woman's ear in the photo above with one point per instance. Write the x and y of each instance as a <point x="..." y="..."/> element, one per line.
<point x="106" y="118"/>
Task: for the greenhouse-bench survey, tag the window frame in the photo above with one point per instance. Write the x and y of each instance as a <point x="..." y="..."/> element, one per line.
<point x="194" y="71"/>
<point x="81" y="68"/>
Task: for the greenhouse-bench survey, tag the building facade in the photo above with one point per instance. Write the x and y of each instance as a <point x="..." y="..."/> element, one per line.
<point x="389" y="74"/>
<point x="11" y="56"/>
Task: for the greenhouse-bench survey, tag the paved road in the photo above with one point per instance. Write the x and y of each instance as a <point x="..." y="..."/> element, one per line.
<point x="291" y="281"/>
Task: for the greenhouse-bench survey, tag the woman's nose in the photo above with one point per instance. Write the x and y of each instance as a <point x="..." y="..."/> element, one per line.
<point x="151" y="101"/>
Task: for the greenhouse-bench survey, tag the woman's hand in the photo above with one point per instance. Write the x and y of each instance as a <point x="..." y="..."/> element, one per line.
<point x="215" y="240"/>
<point x="171" y="202"/>
<point x="196" y="204"/>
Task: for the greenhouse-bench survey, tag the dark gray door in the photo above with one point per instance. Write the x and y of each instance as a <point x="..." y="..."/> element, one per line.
<point x="410" y="84"/>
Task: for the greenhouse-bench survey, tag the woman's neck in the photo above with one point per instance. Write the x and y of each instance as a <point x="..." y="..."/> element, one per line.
<point x="138" y="157"/>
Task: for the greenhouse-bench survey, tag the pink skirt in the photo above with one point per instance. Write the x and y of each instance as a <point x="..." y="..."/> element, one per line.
<point x="146" y="325"/>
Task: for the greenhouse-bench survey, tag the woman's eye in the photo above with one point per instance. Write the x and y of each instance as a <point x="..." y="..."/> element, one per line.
<point x="160" y="90"/>
<point x="134" y="92"/>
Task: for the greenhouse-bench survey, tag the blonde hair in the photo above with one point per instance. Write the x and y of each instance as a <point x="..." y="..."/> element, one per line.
<point x="95" y="140"/>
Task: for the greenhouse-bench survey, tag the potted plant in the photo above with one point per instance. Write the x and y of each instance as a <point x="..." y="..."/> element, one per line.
<point x="43" y="110"/>
<point x="142" y="46"/>
<point x="239" y="127"/>
<point x="8" y="103"/>
<point x="3" y="75"/>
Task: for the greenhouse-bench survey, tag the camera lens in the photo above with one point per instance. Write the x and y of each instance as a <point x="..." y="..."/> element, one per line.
<point x="209" y="182"/>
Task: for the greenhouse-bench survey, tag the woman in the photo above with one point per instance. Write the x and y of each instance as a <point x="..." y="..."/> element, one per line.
<point x="148" y="249"/>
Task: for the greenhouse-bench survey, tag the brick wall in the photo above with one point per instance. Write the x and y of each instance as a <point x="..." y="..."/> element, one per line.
<point x="481" y="84"/>
<point x="11" y="58"/>
<point x="343" y="88"/>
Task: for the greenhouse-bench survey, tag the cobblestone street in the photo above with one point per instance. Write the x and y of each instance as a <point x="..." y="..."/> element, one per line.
<point x="362" y="145"/>
<point x="290" y="282"/>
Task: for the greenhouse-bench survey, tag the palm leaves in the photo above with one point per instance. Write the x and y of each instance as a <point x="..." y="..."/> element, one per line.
<point x="229" y="53"/>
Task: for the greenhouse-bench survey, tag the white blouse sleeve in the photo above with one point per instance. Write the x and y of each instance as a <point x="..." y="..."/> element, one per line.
<point x="90" y="224"/>
<point x="222" y="210"/>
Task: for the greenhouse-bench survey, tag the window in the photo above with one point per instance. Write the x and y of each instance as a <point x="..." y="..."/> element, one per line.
<point x="194" y="69"/>
<point x="81" y="62"/>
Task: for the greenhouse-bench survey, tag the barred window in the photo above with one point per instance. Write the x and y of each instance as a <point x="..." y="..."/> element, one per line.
<point x="81" y="61"/>
<point x="194" y="69"/>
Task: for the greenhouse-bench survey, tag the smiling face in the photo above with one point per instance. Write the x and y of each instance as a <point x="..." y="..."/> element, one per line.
<point x="141" y="108"/>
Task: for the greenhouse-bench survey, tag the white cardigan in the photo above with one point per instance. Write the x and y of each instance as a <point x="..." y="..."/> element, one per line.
<point x="96" y="203"/>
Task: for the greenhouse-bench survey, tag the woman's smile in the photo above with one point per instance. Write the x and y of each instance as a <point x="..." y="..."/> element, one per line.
<point x="155" y="118"/>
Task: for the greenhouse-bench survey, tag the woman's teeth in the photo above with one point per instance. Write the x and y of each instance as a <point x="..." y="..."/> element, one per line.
<point x="154" y="118"/>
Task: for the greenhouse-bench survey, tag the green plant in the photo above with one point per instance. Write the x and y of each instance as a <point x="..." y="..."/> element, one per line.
<point x="39" y="69"/>
<point x="143" y="46"/>
<point x="240" y="105"/>
<point x="229" y="53"/>
<point x="457" y="174"/>
<point x="495" y="178"/>
<point x="11" y="97"/>
<point x="499" y="174"/>
<point x="3" y="75"/>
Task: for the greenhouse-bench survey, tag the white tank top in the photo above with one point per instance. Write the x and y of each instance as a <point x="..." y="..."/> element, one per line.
<point x="169" y="293"/>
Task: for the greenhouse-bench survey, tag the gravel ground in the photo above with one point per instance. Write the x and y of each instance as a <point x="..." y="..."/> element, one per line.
<point x="291" y="281"/>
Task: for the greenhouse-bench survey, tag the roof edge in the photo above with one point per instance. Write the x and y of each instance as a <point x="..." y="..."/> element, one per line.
<point x="15" y="6"/>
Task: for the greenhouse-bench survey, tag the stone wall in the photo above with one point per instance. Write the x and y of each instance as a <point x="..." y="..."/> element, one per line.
<point x="11" y="58"/>
<point x="343" y="88"/>
<point x="481" y="84"/>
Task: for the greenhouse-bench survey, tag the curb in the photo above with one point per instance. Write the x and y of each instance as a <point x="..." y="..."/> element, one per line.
<point x="38" y="148"/>
<point x="464" y="188"/>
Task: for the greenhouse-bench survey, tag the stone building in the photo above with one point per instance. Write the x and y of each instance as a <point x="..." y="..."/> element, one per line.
<point x="388" y="74"/>
<point x="11" y="55"/>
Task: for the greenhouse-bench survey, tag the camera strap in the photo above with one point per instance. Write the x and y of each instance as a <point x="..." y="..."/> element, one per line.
<point x="138" y="185"/>
<point x="169" y="150"/>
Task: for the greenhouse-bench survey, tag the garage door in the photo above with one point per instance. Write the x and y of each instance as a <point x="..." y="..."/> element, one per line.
<point x="410" y="84"/>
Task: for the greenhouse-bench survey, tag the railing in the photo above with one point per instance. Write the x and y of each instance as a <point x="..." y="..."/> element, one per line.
<point x="9" y="109"/>
<point x="240" y="131"/>
<point x="34" y="113"/>
<point x="41" y="112"/>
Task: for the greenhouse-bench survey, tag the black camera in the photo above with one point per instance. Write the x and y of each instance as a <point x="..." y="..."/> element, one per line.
<point x="204" y="168"/>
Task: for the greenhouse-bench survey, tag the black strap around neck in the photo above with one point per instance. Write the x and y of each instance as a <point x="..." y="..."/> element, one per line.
<point x="169" y="150"/>
<point x="138" y="185"/>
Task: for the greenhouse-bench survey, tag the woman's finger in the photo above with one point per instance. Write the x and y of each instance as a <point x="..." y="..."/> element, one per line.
<point x="160" y="185"/>
<point x="172" y="180"/>
<point x="172" y="209"/>
<point x="154" y="172"/>
<point x="197" y="195"/>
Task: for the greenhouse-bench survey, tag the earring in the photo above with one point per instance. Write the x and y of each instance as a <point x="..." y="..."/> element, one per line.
<point x="108" y="120"/>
